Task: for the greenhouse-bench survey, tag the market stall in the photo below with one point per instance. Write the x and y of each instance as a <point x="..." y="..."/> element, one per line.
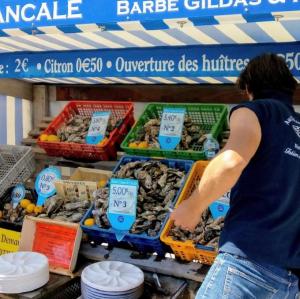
<point x="140" y="159"/>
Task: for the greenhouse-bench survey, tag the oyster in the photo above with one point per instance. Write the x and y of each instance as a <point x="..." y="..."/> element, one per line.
<point x="206" y="233"/>
<point x="57" y="208"/>
<point x="158" y="186"/>
<point x="193" y="136"/>
<point x="12" y="215"/>
<point x="76" y="129"/>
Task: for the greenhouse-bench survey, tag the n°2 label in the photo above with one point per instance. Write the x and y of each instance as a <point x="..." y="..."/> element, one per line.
<point x="171" y="128"/>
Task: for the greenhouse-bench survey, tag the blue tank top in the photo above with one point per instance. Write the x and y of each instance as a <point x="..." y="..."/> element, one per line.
<point x="263" y="222"/>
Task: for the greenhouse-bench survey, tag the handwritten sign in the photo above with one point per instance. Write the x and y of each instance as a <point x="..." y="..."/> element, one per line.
<point x="9" y="241"/>
<point x="171" y="128"/>
<point x="98" y="127"/>
<point x="18" y="194"/>
<point x="122" y="205"/>
<point x="45" y="184"/>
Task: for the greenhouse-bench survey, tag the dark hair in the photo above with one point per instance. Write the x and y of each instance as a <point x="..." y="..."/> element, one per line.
<point x="265" y="73"/>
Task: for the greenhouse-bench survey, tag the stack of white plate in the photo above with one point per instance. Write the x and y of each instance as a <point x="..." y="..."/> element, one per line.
<point x="22" y="272"/>
<point x="107" y="279"/>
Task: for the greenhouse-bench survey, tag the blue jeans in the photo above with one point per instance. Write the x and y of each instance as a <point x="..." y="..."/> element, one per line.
<point x="233" y="277"/>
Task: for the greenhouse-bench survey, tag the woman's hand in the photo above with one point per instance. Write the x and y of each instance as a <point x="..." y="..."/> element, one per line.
<point x="187" y="215"/>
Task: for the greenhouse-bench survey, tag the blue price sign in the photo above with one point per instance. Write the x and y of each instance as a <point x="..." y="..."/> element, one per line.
<point x="122" y="205"/>
<point x="98" y="127"/>
<point x="18" y="194"/>
<point x="171" y="128"/>
<point x="44" y="184"/>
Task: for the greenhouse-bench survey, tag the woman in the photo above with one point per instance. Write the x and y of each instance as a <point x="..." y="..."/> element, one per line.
<point x="259" y="248"/>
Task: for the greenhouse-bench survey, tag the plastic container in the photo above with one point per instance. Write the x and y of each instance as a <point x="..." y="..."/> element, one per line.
<point x="16" y="165"/>
<point x="187" y="250"/>
<point x="211" y="118"/>
<point x="119" y="110"/>
<point x="6" y="198"/>
<point x="211" y="147"/>
<point x="141" y="243"/>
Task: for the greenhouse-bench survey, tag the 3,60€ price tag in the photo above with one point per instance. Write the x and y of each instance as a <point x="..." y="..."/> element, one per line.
<point x="18" y="193"/>
<point x="171" y="128"/>
<point x="44" y="184"/>
<point x="98" y="127"/>
<point x="122" y="205"/>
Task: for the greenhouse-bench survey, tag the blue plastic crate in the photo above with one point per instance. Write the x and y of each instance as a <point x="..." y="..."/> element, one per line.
<point x="142" y="242"/>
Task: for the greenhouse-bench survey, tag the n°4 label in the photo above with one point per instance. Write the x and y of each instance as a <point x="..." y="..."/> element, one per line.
<point x="98" y="127"/>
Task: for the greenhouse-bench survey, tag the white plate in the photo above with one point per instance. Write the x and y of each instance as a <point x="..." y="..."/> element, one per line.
<point x="112" y="276"/>
<point x="22" y="272"/>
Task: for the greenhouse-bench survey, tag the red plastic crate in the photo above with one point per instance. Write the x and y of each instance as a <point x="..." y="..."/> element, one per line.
<point x="119" y="110"/>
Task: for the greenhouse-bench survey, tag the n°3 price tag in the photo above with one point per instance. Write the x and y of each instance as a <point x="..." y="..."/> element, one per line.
<point x="171" y="128"/>
<point x="18" y="193"/>
<point x="98" y="127"/>
<point x="122" y="205"/>
<point x="45" y="184"/>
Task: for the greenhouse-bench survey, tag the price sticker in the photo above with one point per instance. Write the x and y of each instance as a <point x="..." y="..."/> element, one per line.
<point x="171" y="128"/>
<point x="122" y="205"/>
<point x="18" y="194"/>
<point x="45" y="184"/>
<point x="98" y="127"/>
<point x="220" y="207"/>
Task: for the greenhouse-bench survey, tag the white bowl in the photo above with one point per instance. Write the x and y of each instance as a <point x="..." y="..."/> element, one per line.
<point x="22" y="272"/>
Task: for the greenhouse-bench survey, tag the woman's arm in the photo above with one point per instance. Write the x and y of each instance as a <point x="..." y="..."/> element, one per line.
<point x="224" y="170"/>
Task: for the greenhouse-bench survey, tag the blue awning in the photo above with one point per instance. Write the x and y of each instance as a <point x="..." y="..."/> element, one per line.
<point x="91" y="37"/>
<point x="168" y="65"/>
<point x="151" y="14"/>
<point x="100" y="25"/>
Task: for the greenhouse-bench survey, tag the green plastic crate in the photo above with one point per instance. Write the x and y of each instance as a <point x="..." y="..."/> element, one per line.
<point x="212" y="118"/>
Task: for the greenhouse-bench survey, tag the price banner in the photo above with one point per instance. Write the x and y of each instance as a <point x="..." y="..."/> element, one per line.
<point x="18" y="194"/>
<point x="45" y="184"/>
<point x="98" y="127"/>
<point x="171" y="128"/>
<point x="122" y="205"/>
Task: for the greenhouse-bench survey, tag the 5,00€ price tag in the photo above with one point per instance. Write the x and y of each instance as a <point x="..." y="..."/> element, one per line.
<point x="171" y="128"/>
<point x="122" y="205"/>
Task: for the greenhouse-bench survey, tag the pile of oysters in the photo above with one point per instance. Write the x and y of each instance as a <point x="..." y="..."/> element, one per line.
<point x="12" y="215"/>
<point x="68" y="210"/>
<point x="206" y="233"/>
<point x="76" y="129"/>
<point x="158" y="187"/>
<point x="192" y="137"/>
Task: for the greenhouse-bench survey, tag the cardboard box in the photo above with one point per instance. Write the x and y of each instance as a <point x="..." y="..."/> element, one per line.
<point x="82" y="184"/>
<point x="59" y="241"/>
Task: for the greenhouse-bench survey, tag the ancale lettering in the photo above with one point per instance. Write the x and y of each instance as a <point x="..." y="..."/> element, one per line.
<point x="32" y="12"/>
